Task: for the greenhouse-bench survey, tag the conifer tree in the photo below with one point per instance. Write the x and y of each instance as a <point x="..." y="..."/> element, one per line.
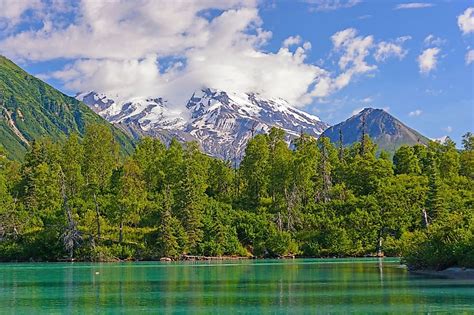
<point x="131" y="195"/>
<point x="100" y="156"/>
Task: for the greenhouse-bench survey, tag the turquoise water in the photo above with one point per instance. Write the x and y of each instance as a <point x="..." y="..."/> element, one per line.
<point x="311" y="286"/>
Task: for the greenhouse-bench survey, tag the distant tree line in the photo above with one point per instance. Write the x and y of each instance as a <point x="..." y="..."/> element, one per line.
<point x="78" y="199"/>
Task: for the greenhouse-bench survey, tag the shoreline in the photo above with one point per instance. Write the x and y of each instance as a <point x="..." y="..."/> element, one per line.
<point x="449" y="273"/>
<point x="185" y="258"/>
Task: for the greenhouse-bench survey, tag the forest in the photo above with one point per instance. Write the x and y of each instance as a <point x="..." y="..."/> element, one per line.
<point x="80" y="199"/>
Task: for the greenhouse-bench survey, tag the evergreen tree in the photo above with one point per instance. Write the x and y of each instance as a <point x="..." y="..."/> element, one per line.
<point x="279" y="172"/>
<point x="466" y="158"/>
<point x="434" y="204"/>
<point x="305" y="166"/>
<point x="325" y="167"/>
<point x="171" y="236"/>
<point x="131" y="195"/>
<point x="254" y="168"/>
<point x="191" y="196"/>
<point x="100" y="157"/>
<point x="405" y="161"/>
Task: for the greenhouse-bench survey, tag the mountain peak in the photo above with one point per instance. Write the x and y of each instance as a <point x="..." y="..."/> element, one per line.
<point x="386" y="131"/>
<point x="221" y="121"/>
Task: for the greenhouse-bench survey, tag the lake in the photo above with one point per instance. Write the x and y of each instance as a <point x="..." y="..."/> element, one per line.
<point x="249" y="286"/>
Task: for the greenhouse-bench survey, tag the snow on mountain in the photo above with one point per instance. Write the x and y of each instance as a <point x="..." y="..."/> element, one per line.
<point x="149" y="113"/>
<point x="221" y="122"/>
<point x="224" y="122"/>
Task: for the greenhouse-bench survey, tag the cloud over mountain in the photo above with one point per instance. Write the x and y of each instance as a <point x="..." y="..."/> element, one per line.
<point x="160" y="48"/>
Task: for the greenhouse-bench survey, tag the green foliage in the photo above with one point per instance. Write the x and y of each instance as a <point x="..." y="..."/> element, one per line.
<point x="77" y="199"/>
<point x="448" y="242"/>
<point x="33" y="109"/>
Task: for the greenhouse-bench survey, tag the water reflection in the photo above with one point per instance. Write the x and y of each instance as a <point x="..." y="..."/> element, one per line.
<point x="368" y="285"/>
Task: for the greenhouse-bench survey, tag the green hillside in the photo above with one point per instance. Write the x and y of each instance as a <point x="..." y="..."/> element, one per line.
<point x="31" y="109"/>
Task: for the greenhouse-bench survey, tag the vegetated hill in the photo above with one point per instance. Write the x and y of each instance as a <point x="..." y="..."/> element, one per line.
<point x="386" y="131"/>
<point x="31" y="109"/>
<point x="222" y="122"/>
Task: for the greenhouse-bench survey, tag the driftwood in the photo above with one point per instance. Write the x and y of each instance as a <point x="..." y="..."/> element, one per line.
<point x="194" y="258"/>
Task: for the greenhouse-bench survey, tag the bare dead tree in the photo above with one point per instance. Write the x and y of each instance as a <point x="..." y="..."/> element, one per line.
<point x="325" y="173"/>
<point x="71" y="236"/>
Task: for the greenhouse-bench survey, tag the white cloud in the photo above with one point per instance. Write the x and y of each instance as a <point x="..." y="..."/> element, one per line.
<point x="364" y="17"/>
<point x="391" y="49"/>
<point x="230" y="61"/>
<point x="367" y="100"/>
<point x="428" y="60"/>
<point x="162" y="48"/>
<point x="433" y="92"/>
<point x="14" y="9"/>
<point x="470" y="57"/>
<point x="432" y="40"/>
<point x="448" y="129"/>
<point x="415" y="113"/>
<point x="11" y="11"/>
<point x="330" y="5"/>
<point x="466" y="21"/>
<point x="354" y="51"/>
<point x="168" y="49"/>
<point x="123" y="30"/>
<point x="292" y="40"/>
<point x="413" y="5"/>
<point x="357" y="110"/>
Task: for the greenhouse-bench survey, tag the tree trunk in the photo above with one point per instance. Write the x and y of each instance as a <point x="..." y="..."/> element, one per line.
<point x="121" y="232"/>
<point x="379" y="244"/>
<point x="425" y="218"/>
<point x="97" y="215"/>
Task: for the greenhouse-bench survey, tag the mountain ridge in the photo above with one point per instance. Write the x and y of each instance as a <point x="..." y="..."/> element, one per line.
<point x="31" y="109"/>
<point x="388" y="132"/>
<point x="222" y="122"/>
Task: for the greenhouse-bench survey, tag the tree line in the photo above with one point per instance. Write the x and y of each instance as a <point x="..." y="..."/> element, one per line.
<point x="79" y="199"/>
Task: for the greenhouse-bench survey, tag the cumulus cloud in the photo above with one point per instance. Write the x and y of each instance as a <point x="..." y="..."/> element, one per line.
<point x="292" y="40"/>
<point x="470" y="57"/>
<point x="353" y="51"/>
<point x="230" y="61"/>
<point x="413" y="5"/>
<point x="330" y="5"/>
<point x="428" y="60"/>
<point x="13" y="10"/>
<point x="391" y="49"/>
<point x="415" y="113"/>
<point x="432" y="40"/>
<point x="129" y="29"/>
<point x="466" y="21"/>
<point x="171" y="48"/>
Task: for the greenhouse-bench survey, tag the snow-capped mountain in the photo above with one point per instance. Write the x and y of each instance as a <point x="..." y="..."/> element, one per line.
<point x="222" y="122"/>
<point x="148" y="112"/>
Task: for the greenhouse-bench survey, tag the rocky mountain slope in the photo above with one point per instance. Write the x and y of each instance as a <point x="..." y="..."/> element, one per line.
<point x="222" y="122"/>
<point x="31" y="109"/>
<point x="386" y="131"/>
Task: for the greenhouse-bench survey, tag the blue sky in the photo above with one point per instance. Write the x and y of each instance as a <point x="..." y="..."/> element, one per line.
<point x="328" y="57"/>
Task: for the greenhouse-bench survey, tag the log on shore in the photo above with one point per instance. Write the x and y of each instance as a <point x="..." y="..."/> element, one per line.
<point x="195" y="258"/>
